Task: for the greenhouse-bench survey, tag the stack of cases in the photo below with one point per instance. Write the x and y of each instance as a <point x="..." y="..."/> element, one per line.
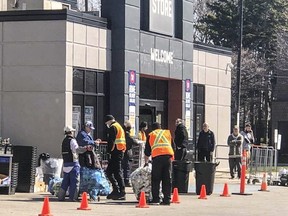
<point x="26" y="157"/>
<point x="138" y="156"/>
<point x="14" y="178"/>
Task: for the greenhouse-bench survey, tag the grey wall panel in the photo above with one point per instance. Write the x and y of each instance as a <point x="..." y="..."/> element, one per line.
<point x="188" y="11"/>
<point x="126" y="111"/>
<point x="131" y="39"/>
<point x="147" y="41"/>
<point x="162" y="43"/>
<point x="187" y="31"/>
<point x="177" y="47"/>
<point x="161" y="69"/>
<point x="134" y="2"/>
<point x="187" y="70"/>
<point x="187" y="51"/>
<point x="132" y="17"/>
<point x="146" y="65"/>
<point x="131" y="60"/>
<point x="176" y="69"/>
<point x="126" y="79"/>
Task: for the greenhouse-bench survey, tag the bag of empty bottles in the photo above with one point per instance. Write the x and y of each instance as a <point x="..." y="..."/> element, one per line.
<point x="141" y="181"/>
<point x="94" y="182"/>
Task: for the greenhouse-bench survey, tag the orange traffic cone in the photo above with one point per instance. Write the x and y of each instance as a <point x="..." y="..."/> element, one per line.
<point x="45" y="208"/>
<point x="84" y="202"/>
<point x="203" y="192"/>
<point x="175" y="198"/>
<point x="225" y="191"/>
<point x="264" y="184"/>
<point x="142" y="201"/>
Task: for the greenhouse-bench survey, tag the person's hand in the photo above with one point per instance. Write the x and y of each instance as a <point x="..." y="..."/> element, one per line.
<point x="89" y="148"/>
<point x="97" y="141"/>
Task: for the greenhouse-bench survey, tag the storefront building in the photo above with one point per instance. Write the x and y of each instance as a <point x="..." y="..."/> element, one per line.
<point x="62" y="67"/>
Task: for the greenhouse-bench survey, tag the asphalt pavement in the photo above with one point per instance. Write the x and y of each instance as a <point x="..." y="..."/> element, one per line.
<point x="274" y="202"/>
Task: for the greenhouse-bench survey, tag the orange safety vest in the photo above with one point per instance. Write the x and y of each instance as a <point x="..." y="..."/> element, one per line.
<point x="120" y="140"/>
<point x="142" y="136"/>
<point x="160" y="142"/>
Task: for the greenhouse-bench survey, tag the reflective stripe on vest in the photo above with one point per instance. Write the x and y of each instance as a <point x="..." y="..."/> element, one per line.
<point x="160" y="142"/>
<point x="120" y="140"/>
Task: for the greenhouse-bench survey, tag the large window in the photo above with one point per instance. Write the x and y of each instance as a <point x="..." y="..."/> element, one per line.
<point x="198" y="108"/>
<point x="89" y="102"/>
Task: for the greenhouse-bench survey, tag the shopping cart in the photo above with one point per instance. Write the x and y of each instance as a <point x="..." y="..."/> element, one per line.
<point x="101" y="151"/>
<point x="261" y="162"/>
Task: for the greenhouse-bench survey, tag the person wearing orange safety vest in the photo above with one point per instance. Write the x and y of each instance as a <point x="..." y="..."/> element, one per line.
<point x="116" y="149"/>
<point x="160" y="147"/>
<point x="142" y="134"/>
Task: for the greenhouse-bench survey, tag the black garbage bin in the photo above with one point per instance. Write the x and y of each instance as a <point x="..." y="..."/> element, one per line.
<point x="205" y="175"/>
<point x="180" y="175"/>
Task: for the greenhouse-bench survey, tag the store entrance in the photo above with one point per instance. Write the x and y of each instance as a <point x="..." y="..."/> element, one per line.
<point x="152" y="111"/>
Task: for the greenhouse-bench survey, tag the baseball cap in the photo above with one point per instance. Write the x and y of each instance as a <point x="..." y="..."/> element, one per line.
<point x="68" y="129"/>
<point x="89" y="124"/>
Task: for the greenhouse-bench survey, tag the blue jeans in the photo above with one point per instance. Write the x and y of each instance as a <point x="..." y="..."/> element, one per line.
<point x="70" y="180"/>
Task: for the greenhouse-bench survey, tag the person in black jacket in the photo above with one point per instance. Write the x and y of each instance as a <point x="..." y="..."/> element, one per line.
<point x="130" y="142"/>
<point x="206" y="144"/>
<point x="180" y="140"/>
<point x="115" y="149"/>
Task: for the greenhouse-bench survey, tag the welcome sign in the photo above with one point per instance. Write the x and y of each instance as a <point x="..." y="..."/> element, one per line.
<point x="161" y="16"/>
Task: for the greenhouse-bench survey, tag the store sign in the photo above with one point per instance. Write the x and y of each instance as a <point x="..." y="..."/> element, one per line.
<point x="161" y="16"/>
<point x="188" y="105"/>
<point x="132" y="100"/>
<point x="164" y="56"/>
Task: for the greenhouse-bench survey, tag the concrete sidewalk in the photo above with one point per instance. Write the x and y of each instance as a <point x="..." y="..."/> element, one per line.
<point x="260" y="203"/>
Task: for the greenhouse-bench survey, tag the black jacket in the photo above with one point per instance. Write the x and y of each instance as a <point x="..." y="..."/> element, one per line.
<point x="181" y="136"/>
<point x="206" y="141"/>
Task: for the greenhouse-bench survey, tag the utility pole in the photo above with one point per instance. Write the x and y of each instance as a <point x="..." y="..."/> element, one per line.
<point x="86" y="5"/>
<point x="239" y="60"/>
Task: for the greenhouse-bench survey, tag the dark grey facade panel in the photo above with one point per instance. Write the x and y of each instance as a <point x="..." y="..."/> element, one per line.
<point x="118" y="60"/>
<point x="162" y="43"/>
<point x="147" y="41"/>
<point x="37" y="15"/>
<point x="187" y="70"/>
<point x="131" y="60"/>
<point x="117" y="84"/>
<point x="114" y="11"/>
<point x="161" y="69"/>
<point x="177" y="47"/>
<point x="188" y="11"/>
<point x="132" y="39"/>
<point x="176" y="69"/>
<point x="146" y="65"/>
<point x="187" y="31"/>
<point x="118" y="39"/>
<point x="132" y="17"/>
<point x="135" y="3"/>
<point x="187" y="51"/>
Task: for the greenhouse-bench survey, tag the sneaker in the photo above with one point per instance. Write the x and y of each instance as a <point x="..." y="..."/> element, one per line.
<point x="154" y="202"/>
<point x="165" y="203"/>
<point x="119" y="196"/>
<point x="112" y="195"/>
